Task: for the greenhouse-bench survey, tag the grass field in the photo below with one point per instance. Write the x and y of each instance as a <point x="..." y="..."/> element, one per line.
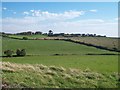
<point x="98" y="63"/>
<point x="28" y="36"/>
<point x="49" y="47"/>
<point x="110" y="43"/>
<point x="63" y="54"/>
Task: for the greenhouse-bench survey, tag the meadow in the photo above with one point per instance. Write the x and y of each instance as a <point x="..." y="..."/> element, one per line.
<point x="97" y="63"/>
<point x="50" y="47"/>
<point x="59" y="54"/>
<point x="28" y="36"/>
<point x="108" y="42"/>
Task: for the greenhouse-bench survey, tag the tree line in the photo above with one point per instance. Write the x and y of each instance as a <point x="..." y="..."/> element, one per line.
<point x="51" y="34"/>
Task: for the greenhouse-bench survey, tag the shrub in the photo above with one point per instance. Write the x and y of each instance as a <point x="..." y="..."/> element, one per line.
<point x="18" y="52"/>
<point x="25" y="38"/>
<point x="8" y="53"/>
<point x="21" y="52"/>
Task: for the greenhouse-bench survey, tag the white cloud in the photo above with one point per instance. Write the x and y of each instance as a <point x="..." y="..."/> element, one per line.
<point x="26" y="13"/>
<point x="97" y="26"/>
<point x="31" y="10"/>
<point x="93" y="10"/>
<point x="118" y="18"/>
<point x="45" y="15"/>
<point x="4" y="8"/>
<point x="35" y="20"/>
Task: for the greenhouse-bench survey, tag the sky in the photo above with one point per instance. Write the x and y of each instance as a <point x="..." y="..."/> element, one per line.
<point x="61" y="17"/>
<point x="60" y="0"/>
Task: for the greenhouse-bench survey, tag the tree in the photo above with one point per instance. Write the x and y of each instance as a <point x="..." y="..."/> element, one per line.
<point x="50" y="33"/>
<point x="8" y="53"/>
<point x="25" y="38"/>
<point x="38" y="33"/>
<point x="18" y="52"/>
<point x="23" y="52"/>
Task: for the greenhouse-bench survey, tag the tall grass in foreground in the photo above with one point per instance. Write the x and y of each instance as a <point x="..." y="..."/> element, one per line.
<point x="41" y="76"/>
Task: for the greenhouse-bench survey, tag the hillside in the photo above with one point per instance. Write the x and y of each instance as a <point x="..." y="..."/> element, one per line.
<point x="40" y="76"/>
<point x="108" y="43"/>
<point x="64" y="65"/>
<point x="50" y="47"/>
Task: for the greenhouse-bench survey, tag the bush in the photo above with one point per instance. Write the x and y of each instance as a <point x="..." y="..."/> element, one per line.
<point x="18" y="52"/>
<point x="21" y="52"/>
<point x="8" y="53"/>
<point x="25" y="38"/>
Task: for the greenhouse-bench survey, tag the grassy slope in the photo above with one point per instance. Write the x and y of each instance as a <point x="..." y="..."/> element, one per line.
<point x="100" y="41"/>
<point x="108" y="42"/>
<point x="48" y="47"/>
<point x="40" y="76"/>
<point x="106" y="64"/>
<point x="28" y="36"/>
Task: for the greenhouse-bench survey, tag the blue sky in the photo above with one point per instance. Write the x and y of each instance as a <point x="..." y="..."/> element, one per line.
<point x="60" y="1"/>
<point x="69" y="17"/>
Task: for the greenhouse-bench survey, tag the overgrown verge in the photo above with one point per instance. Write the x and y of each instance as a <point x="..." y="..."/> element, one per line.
<point x="40" y="76"/>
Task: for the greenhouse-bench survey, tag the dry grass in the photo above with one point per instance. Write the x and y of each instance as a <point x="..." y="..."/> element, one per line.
<point x="109" y="43"/>
<point x="26" y="75"/>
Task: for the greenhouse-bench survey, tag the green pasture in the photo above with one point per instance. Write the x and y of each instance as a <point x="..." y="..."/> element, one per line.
<point x="62" y="53"/>
<point x="28" y="36"/>
<point x="58" y="64"/>
<point x="49" y="47"/>
<point x="99" y="63"/>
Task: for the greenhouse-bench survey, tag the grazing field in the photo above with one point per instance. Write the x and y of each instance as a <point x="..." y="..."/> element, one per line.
<point x="98" y="63"/>
<point x="28" y="36"/>
<point x="50" y="47"/>
<point x="110" y="43"/>
<point x="71" y="65"/>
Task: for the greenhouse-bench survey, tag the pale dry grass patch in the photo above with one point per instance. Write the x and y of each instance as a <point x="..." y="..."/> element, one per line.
<point x="50" y="72"/>
<point x="52" y="76"/>
<point x="73" y="72"/>
<point x="54" y="68"/>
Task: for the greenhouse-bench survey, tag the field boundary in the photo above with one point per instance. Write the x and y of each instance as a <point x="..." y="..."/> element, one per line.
<point x="69" y="40"/>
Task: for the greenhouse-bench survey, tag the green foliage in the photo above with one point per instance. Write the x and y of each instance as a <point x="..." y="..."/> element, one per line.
<point x="21" y="52"/>
<point x="18" y="52"/>
<point x="50" y="33"/>
<point x="25" y="38"/>
<point x="9" y="53"/>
